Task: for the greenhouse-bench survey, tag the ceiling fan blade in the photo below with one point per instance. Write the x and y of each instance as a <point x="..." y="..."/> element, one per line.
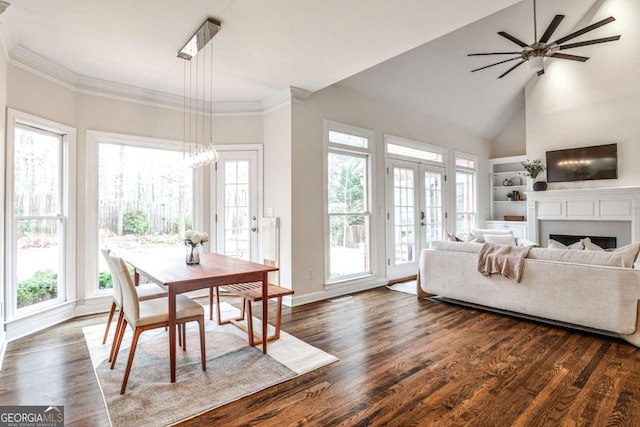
<point x="513" y="39"/>
<point x="497" y="63"/>
<point x="585" y="30"/>
<point x="512" y="68"/>
<point x="541" y="72"/>
<point x="570" y="57"/>
<point x="494" y="53"/>
<point x="588" y="42"/>
<point x="551" y="28"/>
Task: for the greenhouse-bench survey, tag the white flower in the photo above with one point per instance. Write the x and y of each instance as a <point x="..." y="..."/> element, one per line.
<point x="195" y="239"/>
<point x="204" y="237"/>
<point x="189" y="233"/>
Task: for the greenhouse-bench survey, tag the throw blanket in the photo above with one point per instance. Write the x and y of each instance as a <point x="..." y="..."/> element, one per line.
<point x="503" y="259"/>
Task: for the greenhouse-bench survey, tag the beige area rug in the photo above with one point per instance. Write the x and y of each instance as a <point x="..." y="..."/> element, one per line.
<point x="406" y="287"/>
<point x="234" y="370"/>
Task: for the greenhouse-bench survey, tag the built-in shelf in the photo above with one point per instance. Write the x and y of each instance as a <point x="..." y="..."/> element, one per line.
<point x="508" y="168"/>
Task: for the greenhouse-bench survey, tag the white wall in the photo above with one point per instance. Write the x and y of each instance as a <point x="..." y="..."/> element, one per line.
<point x="592" y="103"/>
<point x="340" y="105"/>
<point x="512" y="139"/>
<point x="277" y="181"/>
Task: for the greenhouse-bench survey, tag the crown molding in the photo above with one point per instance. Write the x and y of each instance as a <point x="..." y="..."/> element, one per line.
<point x="36" y="64"/>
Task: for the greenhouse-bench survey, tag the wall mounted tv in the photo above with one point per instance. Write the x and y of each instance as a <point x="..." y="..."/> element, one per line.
<point x="581" y="164"/>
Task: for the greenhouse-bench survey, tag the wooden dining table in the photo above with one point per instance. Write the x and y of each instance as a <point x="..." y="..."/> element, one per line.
<point x="175" y="275"/>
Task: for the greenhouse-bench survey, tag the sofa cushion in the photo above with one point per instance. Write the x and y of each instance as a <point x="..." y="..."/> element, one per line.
<point x="478" y="233"/>
<point x="500" y="239"/>
<point x="610" y="259"/>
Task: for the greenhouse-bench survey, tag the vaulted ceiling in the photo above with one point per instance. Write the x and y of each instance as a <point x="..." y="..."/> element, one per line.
<point x="411" y="53"/>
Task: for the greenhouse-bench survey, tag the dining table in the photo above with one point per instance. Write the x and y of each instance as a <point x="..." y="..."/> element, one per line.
<point x="177" y="277"/>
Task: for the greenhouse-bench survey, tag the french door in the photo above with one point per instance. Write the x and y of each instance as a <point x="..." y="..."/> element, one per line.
<point x="235" y="180"/>
<point x="415" y="213"/>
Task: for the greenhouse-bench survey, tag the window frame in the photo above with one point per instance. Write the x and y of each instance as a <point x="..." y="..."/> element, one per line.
<point x="66" y="214"/>
<point x="90" y="255"/>
<point x="368" y="154"/>
<point x="473" y="171"/>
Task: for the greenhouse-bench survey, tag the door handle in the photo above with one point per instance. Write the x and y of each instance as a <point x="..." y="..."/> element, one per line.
<point x="254" y="229"/>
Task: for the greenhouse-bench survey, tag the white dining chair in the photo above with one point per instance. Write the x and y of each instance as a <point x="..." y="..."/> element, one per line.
<point x="145" y="292"/>
<point x="151" y="314"/>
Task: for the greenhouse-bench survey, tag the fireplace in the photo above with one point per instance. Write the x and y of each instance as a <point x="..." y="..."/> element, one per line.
<point x="585" y="212"/>
<point x="609" y="242"/>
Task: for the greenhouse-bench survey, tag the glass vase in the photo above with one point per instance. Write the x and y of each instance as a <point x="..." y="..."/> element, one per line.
<point x="193" y="254"/>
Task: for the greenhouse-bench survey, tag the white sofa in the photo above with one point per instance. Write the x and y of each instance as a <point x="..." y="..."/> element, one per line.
<point x="584" y="288"/>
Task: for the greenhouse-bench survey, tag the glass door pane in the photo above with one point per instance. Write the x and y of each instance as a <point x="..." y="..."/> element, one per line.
<point x="433" y="206"/>
<point x="236" y="178"/>
<point x="404" y="218"/>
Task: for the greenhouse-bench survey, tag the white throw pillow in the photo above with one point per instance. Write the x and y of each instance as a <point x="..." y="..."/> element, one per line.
<point x="500" y="239"/>
<point x="525" y="243"/>
<point x="629" y="254"/>
<point x="554" y="244"/>
<point x="479" y="233"/>
<point x="590" y="246"/>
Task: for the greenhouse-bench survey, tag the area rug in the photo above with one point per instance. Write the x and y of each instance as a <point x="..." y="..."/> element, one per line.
<point x="406" y="287"/>
<point x="234" y="370"/>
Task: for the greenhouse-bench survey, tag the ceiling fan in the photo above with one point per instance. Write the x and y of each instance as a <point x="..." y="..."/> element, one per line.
<point x="540" y="49"/>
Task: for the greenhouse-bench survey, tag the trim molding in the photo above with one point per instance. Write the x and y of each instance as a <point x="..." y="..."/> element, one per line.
<point x="32" y="62"/>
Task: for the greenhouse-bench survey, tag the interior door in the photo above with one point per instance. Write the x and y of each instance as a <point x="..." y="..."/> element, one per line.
<point x="236" y="187"/>
<point x="415" y="213"/>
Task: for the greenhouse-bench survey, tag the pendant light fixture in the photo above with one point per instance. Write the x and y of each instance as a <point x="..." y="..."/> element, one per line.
<point x="198" y="149"/>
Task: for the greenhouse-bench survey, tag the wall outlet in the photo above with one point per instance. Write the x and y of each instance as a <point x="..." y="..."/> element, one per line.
<point x="269" y="212"/>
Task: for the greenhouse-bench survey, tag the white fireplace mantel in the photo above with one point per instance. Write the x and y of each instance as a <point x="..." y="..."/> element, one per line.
<point x="586" y="204"/>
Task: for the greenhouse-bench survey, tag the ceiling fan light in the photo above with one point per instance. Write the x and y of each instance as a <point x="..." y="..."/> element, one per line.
<point x="536" y="63"/>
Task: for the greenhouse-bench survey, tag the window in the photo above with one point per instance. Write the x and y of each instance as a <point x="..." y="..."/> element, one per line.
<point x="465" y="193"/>
<point x="40" y="243"/>
<point x="348" y="201"/>
<point x="145" y="200"/>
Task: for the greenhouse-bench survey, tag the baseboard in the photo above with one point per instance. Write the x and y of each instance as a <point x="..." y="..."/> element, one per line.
<point x="22" y="327"/>
<point x="403" y="279"/>
<point x="331" y="293"/>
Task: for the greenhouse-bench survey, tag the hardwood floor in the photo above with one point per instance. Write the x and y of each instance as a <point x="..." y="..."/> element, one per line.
<point x="402" y="362"/>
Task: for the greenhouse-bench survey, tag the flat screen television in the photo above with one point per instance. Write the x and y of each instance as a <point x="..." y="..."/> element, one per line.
<point x="582" y="164"/>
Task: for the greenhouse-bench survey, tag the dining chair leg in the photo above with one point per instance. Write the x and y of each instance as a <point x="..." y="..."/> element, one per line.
<point x="211" y="303"/>
<point x="249" y="320"/>
<point x="132" y="352"/>
<point x="109" y="320"/>
<point x="119" y="342"/>
<point x="184" y="336"/>
<point x="218" y="315"/>
<point x="116" y="334"/>
<point x="278" y="319"/>
<point x="203" y="351"/>
<point x="179" y="334"/>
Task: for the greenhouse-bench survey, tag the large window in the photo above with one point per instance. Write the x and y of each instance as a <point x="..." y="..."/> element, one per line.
<point x="465" y="193"/>
<point x="39" y="226"/>
<point x="348" y="202"/>
<point x="145" y="200"/>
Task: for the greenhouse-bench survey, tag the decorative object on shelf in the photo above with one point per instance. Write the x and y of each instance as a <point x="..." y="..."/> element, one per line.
<point x="542" y="48"/>
<point x="198" y="149"/>
<point x="507" y="182"/>
<point x="510" y="196"/>
<point x="532" y="169"/>
<point x="514" y="217"/>
<point x="192" y="242"/>
<point x="539" y="186"/>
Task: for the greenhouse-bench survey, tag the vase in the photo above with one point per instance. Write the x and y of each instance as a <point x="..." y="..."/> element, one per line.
<point x="193" y="254"/>
<point x="539" y="186"/>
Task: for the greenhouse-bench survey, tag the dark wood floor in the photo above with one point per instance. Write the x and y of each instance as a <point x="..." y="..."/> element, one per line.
<point x="403" y="362"/>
